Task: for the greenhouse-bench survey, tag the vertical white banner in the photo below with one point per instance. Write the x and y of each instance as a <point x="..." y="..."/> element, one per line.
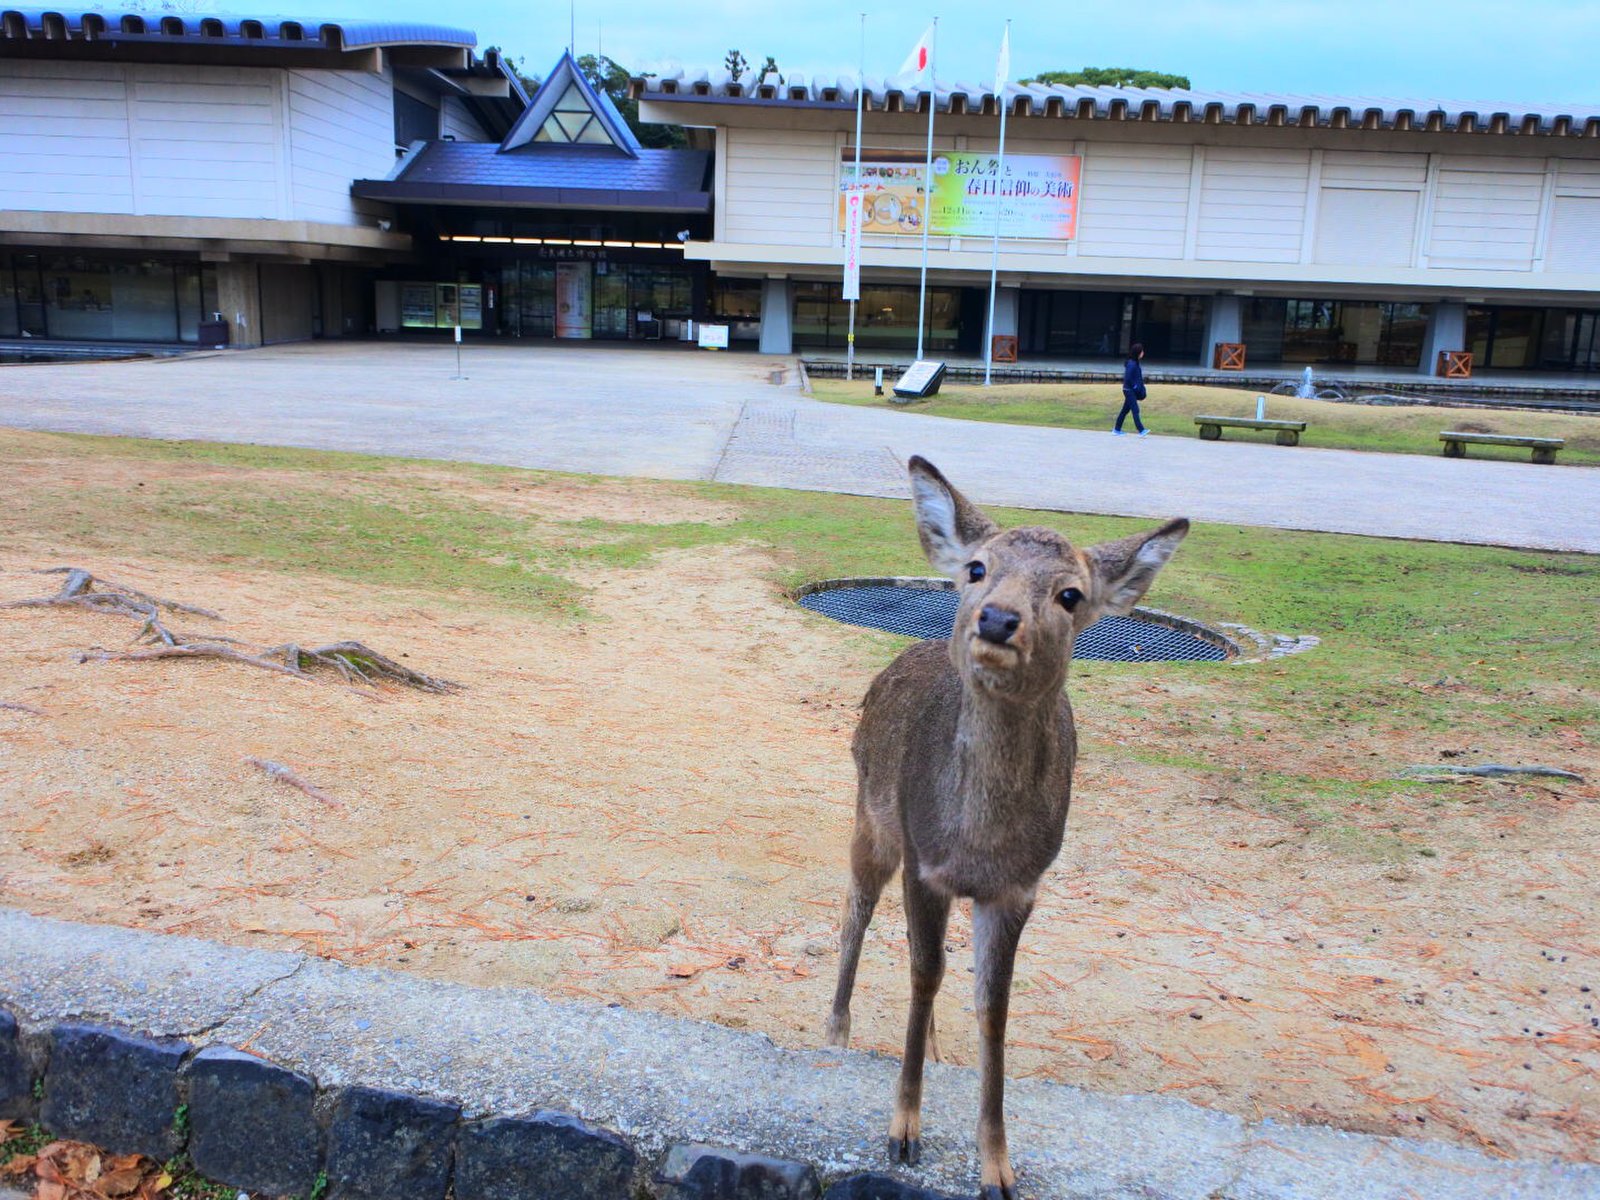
<point x="853" y="206"/>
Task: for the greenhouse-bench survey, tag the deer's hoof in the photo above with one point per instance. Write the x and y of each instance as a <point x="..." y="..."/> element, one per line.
<point x="837" y="1032"/>
<point x="996" y="1191"/>
<point x="907" y="1150"/>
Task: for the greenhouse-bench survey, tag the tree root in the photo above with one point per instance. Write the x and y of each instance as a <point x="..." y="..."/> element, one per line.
<point x="283" y="774"/>
<point x="115" y="598"/>
<point x="353" y="662"/>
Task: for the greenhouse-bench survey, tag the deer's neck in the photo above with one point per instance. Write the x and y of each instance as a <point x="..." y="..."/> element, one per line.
<point x="1007" y="753"/>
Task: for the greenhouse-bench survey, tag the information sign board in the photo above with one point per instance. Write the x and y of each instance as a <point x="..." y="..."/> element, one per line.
<point x="921" y="379"/>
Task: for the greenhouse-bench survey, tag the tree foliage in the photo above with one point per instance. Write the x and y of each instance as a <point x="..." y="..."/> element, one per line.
<point x="1112" y="77"/>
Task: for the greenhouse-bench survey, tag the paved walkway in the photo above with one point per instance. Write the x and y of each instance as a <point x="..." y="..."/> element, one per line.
<point x="676" y="414"/>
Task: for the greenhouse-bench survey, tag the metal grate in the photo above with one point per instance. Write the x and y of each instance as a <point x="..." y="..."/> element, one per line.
<point x="920" y="613"/>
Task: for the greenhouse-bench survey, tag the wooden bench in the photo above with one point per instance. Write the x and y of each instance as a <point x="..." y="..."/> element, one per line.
<point x="1544" y="449"/>
<point x="1288" y="431"/>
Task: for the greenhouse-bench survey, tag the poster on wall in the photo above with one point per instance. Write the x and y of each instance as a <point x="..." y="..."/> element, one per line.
<point x="417" y="309"/>
<point x="574" y="300"/>
<point x="1037" y="194"/>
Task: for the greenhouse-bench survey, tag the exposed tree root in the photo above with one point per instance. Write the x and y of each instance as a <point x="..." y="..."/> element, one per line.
<point x="77" y="591"/>
<point x="11" y="706"/>
<point x="353" y="662"/>
<point x="283" y="774"/>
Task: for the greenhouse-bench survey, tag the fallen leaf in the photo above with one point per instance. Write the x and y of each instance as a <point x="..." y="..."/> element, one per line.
<point x="1099" y="1053"/>
<point x="20" y="1165"/>
<point x="119" y="1183"/>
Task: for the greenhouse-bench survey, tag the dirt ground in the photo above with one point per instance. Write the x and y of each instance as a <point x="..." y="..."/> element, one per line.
<point x="654" y="807"/>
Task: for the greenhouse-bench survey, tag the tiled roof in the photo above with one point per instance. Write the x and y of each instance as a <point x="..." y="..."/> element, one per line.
<point x="312" y="32"/>
<point x="556" y="176"/>
<point x="1137" y="104"/>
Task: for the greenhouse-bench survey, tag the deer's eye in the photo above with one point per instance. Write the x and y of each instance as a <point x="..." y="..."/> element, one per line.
<point x="976" y="571"/>
<point x="1069" y="598"/>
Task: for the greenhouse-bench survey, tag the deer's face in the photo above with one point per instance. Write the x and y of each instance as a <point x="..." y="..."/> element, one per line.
<point x="1026" y="593"/>
<point x="1024" y="599"/>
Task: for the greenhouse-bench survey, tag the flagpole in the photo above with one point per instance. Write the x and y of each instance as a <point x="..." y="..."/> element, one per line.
<point x="861" y="75"/>
<point x="994" y="252"/>
<point x="927" y="184"/>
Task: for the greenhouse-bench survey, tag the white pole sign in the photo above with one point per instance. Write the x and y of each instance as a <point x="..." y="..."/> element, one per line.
<point x="852" y="243"/>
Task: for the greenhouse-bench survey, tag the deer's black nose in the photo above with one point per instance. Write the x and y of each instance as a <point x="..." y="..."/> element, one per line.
<point x="997" y="624"/>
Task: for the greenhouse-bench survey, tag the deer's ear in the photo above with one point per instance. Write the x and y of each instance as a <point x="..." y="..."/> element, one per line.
<point x="1123" y="570"/>
<point x="950" y="525"/>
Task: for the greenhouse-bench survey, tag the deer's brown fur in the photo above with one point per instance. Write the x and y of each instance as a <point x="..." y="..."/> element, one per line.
<point x="964" y="759"/>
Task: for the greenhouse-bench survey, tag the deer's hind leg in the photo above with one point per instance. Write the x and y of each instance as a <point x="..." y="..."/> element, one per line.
<point x="873" y="859"/>
<point x="927" y="918"/>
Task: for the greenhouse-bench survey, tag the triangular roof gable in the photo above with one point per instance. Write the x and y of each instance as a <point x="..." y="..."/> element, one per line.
<point x="558" y="114"/>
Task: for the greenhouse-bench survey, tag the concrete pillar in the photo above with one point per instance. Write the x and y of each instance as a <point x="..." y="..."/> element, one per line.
<point x="1007" y="303"/>
<point x="239" y="300"/>
<point x="1447" y="330"/>
<point x="1224" y="324"/>
<point x="777" y="326"/>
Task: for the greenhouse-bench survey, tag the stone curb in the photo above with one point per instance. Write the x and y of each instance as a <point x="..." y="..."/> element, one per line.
<point x="273" y="1070"/>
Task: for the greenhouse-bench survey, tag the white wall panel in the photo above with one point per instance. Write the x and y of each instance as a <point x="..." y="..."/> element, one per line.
<point x="1134" y="201"/>
<point x="64" y="137"/>
<point x="1366" y="226"/>
<point x="195" y="141"/>
<point x="341" y="128"/>
<point x="1574" y="243"/>
<point x="1253" y="205"/>
<point x="1486" y="213"/>
<point x="782" y="187"/>
<point x="455" y="121"/>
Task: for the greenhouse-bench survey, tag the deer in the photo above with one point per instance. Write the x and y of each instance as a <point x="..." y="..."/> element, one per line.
<point x="964" y="756"/>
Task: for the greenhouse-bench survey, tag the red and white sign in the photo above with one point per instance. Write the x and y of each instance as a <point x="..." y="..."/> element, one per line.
<point x="853" y="209"/>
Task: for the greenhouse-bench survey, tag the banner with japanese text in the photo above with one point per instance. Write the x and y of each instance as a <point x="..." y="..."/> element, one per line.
<point x="1037" y="194"/>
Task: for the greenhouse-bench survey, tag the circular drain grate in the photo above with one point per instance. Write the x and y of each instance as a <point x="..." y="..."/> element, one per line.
<point x="921" y="609"/>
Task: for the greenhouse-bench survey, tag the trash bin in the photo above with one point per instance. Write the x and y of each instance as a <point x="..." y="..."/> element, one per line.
<point x="214" y="333"/>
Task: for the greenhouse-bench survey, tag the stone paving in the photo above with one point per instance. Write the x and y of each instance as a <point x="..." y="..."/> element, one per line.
<point x="684" y="414"/>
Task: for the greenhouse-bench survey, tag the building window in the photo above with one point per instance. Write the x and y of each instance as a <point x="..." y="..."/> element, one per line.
<point x="414" y="120"/>
<point x="886" y="318"/>
<point x="573" y="121"/>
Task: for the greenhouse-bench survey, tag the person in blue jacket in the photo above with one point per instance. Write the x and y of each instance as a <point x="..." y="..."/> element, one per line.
<point x="1132" y="391"/>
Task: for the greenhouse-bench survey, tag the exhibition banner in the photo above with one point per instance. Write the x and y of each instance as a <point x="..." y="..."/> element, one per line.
<point x="1037" y="194"/>
<point x="854" y="210"/>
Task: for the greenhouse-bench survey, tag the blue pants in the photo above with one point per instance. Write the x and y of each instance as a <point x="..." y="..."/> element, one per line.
<point x="1129" y="405"/>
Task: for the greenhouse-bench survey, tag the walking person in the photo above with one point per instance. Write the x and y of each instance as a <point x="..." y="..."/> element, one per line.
<point x="1132" y="391"/>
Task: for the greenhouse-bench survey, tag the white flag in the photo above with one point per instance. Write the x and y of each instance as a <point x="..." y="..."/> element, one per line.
<point x="1002" y="65"/>
<point x="919" y="63"/>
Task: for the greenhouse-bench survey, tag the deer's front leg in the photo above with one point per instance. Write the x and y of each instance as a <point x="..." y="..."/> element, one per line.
<point x="927" y="916"/>
<point x="996" y="927"/>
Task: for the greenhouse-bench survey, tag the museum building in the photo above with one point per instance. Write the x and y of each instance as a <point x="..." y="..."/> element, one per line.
<point x="1305" y="230"/>
<point x="157" y="170"/>
<point x="306" y="179"/>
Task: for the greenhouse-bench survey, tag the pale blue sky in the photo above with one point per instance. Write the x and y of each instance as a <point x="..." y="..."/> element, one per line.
<point x="1531" y="52"/>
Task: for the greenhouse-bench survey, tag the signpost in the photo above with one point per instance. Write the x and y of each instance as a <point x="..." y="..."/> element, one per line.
<point x="713" y="337"/>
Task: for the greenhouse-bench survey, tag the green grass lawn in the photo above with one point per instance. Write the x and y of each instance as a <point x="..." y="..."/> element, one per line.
<point x="1172" y="409"/>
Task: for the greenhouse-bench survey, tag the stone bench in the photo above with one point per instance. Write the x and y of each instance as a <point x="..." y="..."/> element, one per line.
<point x="1544" y="449"/>
<point x="1288" y="431"/>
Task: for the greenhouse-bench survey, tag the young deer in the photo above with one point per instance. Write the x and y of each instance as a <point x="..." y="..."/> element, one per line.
<point x="964" y="762"/>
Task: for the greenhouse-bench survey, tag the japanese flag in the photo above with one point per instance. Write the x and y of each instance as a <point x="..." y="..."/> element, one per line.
<point x="919" y="63"/>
